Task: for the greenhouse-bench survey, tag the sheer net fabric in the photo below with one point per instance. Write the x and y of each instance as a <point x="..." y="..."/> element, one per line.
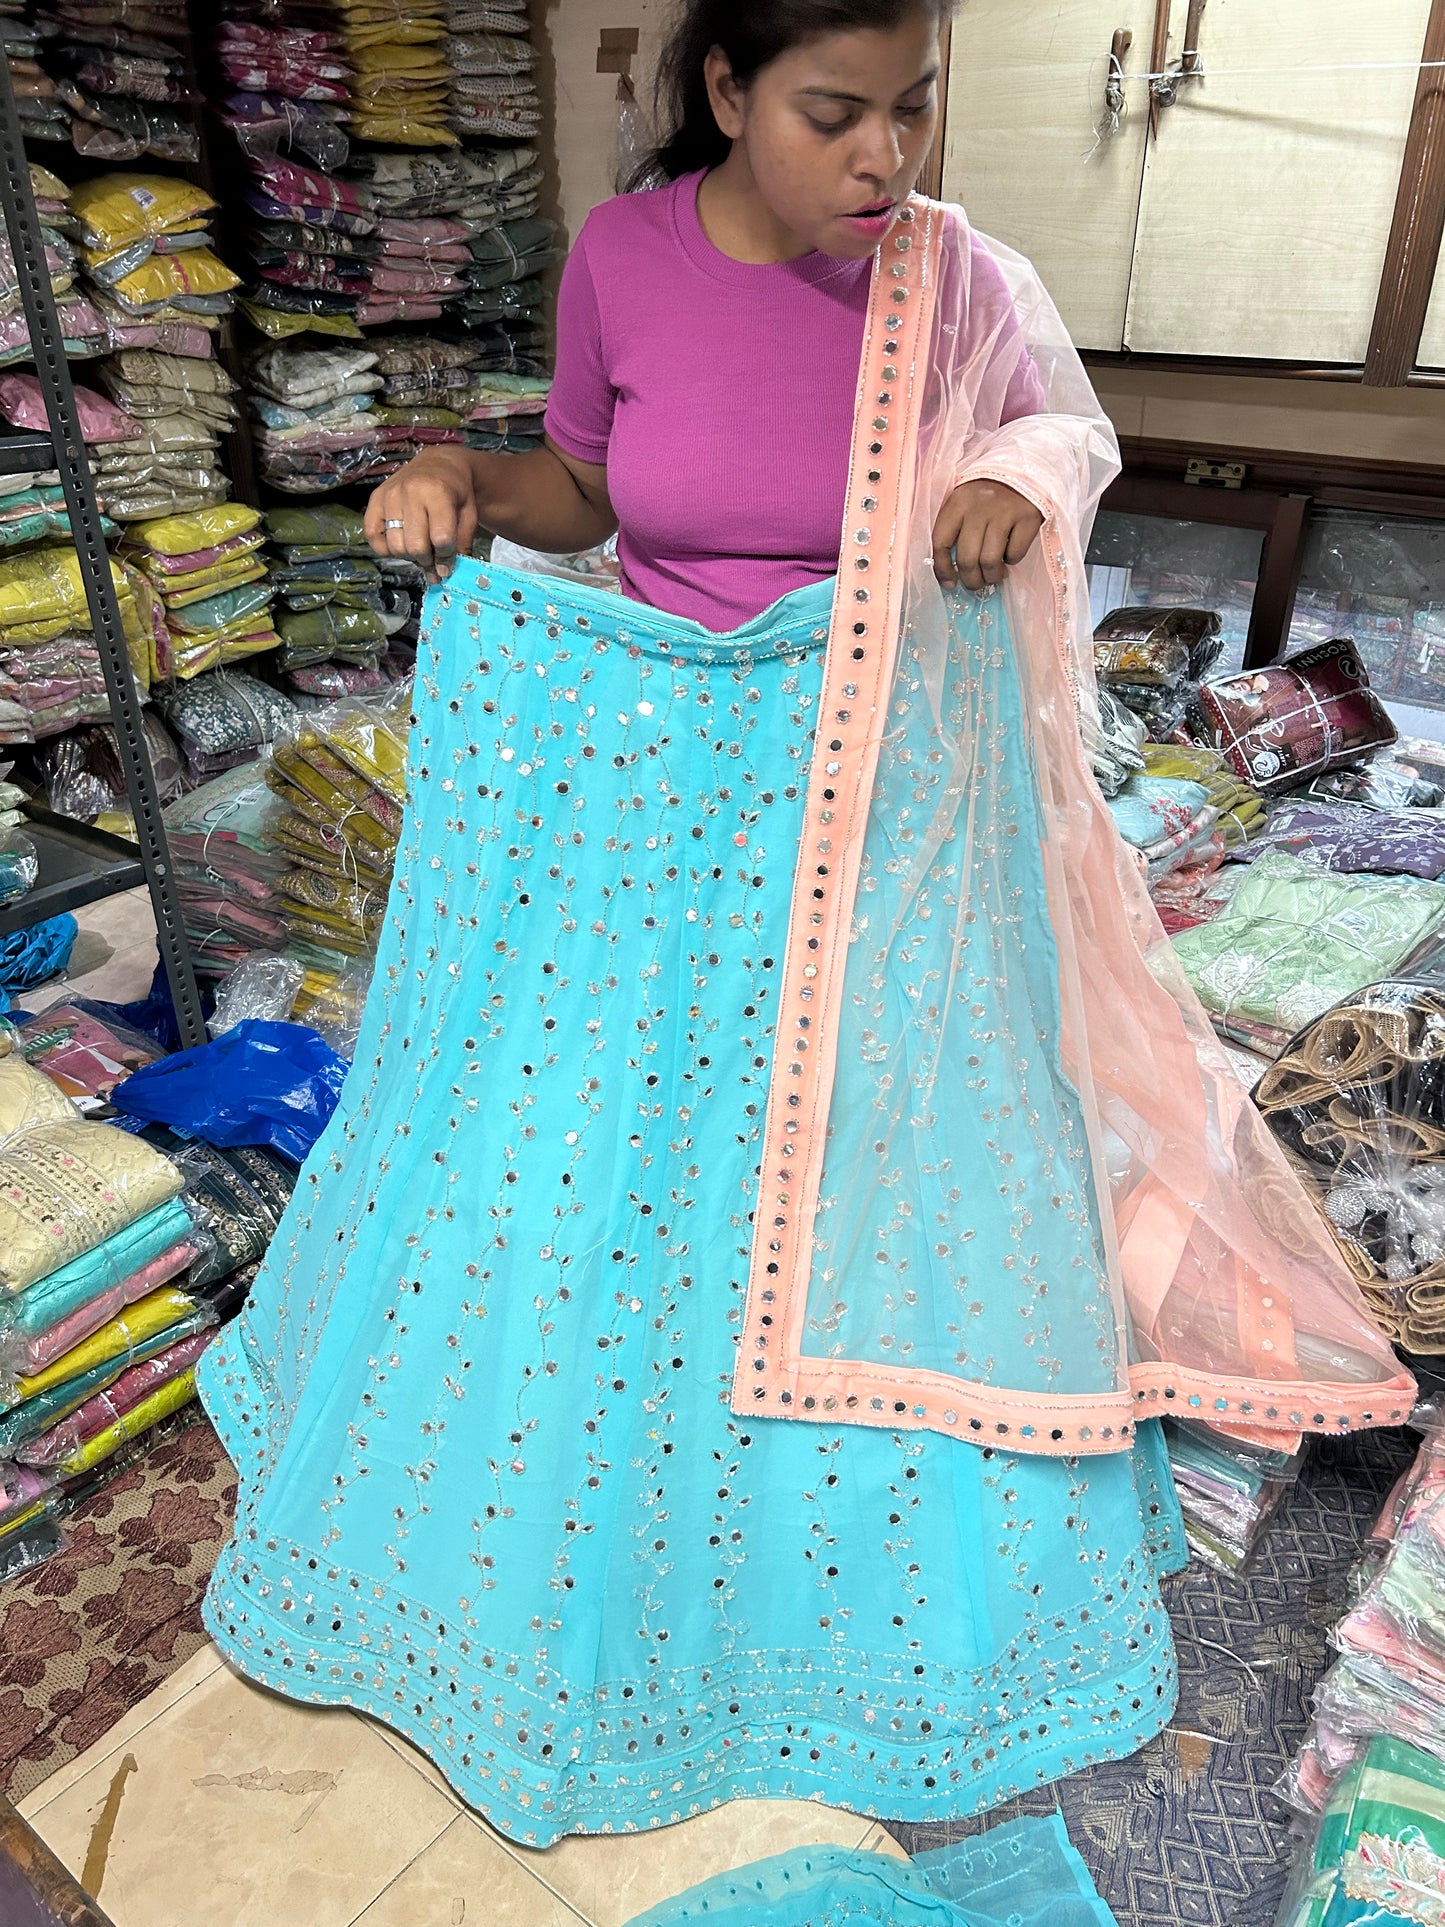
<point x="920" y="1081"/>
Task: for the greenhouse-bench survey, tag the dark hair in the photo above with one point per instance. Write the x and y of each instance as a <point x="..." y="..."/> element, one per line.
<point x="752" y="33"/>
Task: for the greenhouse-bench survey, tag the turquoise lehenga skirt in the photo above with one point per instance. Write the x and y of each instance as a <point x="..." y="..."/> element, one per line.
<point x="492" y="1489"/>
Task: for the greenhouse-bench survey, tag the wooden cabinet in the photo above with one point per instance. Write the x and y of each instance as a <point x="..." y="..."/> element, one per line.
<point x="1253" y="225"/>
<point x="1432" y="342"/>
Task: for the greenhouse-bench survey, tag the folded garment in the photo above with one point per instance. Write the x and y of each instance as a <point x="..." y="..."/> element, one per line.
<point x="1344" y="836"/>
<point x="60" y="1446"/>
<point x="1297" y="938"/>
<point x="65" y="1188"/>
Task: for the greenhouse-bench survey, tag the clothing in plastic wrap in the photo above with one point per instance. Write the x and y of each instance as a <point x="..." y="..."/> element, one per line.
<point x="1378" y="1859"/>
<point x="1295" y="939"/>
<point x="82" y="1048"/>
<point x="65" y="1188"/>
<point x="1344" y="836"/>
<point x="240" y="1192"/>
<point x="1311" y="713"/>
<point x="222" y="843"/>
<point x="1358" y="1100"/>
<point x="28" y="1099"/>
<point x="1242" y="810"/>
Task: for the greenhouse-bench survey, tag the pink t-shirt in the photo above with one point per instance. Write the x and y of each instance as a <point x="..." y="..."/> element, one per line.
<point x="719" y="395"/>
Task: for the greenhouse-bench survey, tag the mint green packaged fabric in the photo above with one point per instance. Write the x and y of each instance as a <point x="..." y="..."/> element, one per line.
<point x="197" y="618"/>
<point x="1296" y="938"/>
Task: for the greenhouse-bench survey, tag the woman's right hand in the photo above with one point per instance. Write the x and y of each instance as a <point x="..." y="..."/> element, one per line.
<point x="427" y="511"/>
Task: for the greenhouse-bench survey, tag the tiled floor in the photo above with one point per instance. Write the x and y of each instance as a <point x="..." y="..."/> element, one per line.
<point x="215" y="1804"/>
<point x="114" y="955"/>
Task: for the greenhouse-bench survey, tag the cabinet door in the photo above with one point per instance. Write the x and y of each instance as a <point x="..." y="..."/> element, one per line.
<point x="1268" y="194"/>
<point x="1025" y="91"/>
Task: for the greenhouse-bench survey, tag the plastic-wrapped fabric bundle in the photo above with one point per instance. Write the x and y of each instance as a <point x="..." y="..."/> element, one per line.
<point x="239" y="1193"/>
<point x="1242" y="810"/>
<point x="50" y="674"/>
<point x="122" y="72"/>
<point x="1227" y="1491"/>
<point x="222" y="842"/>
<point x="313" y="407"/>
<point x="342" y="777"/>
<point x="293" y="86"/>
<point x="27" y="1099"/>
<point x="1378" y="1858"/>
<point x="83" y="776"/>
<point x="211" y="579"/>
<point x="65" y="1188"/>
<point x="1348" y="837"/>
<point x="225" y="720"/>
<point x="1163" y="820"/>
<point x="1295" y="939"/>
<point x="83" y="1049"/>
<point x="1152" y="659"/>
<point x="1358" y="1101"/>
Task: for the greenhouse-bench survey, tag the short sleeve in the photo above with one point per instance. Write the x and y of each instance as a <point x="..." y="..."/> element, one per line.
<point x="582" y="399"/>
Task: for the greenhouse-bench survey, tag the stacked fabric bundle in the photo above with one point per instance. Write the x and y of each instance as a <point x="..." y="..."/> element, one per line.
<point x="339" y="608"/>
<point x="506" y="412"/>
<point x="342" y="777"/>
<point x="1242" y="810"/>
<point x="399" y="87"/>
<point x="1294" y="939"/>
<point x="292" y="88"/>
<point x="42" y="114"/>
<point x="50" y="674"/>
<point x="493" y="92"/>
<point x="145" y="247"/>
<point x="1167" y="821"/>
<point x="172" y="464"/>
<point x="99" y="1327"/>
<point x="1227" y="1491"/>
<point x="222" y="843"/>
<point x="314" y="407"/>
<point x="1347" y="837"/>
<point x="1378" y="1859"/>
<point x="121" y="69"/>
<point x="211" y="580"/>
<point x="84" y="779"/>
<point x="1153" y="659"/>
<point x="82" y="327"/>
<point x="1389" y="1678"/>
<point x="427" y="383"/>
<point x="226" y="720"/>
<point x="311" y="247"/>
<point x="1358" y="1101"/>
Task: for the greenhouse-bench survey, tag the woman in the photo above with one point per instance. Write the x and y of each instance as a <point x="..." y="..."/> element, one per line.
<point x="706" y="1354"/>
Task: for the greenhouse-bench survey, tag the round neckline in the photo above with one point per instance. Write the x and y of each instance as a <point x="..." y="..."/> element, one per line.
<point x="808" y="269"/>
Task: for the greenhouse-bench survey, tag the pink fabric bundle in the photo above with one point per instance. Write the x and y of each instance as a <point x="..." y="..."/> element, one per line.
<point x="203" y="558"/>
<point x="68" y="1332"/>
<point x="371" y="314"/>
<point x="168" y="337"/>
<point x="296" y="187"/>
<point x="417" y="278"/>
<point x="452" y="253"/>
<point x="106" y="1407"/>
<point x="23" y="406"/>
<point x="424" y="235"/>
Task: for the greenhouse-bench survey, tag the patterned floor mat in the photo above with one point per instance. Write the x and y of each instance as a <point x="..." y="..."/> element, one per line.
<point x="1187" y="1833"/>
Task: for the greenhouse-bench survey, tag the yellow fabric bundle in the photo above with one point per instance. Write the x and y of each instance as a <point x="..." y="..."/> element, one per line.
<point x="162" y="277"/>
<point x="117" y="210"/>
<point x="184" y="534"/>
<point x="42" y="595"/>
<point x="1242" y="810"/>
<point x="155" y="1313"/>
<point x="201" y="584"/>
<point x="167" y="1398"/>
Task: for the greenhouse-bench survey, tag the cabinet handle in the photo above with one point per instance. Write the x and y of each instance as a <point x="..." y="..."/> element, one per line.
<point x="1164" y="89"/>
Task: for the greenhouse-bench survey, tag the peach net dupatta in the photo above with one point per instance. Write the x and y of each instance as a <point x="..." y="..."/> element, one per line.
<point x="1205" y="1283"/>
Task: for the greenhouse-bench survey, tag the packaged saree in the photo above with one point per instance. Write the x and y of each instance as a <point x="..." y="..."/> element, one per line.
<point x="82" y="1048"/>
<point x="1378" y="1859"/>
<point x="120" y="1338"/>
<point x="104" y="1443"/>
<point x="37" y="1413"/>
<point x="65" y="1188"/>
<point x="28" y="1099"/>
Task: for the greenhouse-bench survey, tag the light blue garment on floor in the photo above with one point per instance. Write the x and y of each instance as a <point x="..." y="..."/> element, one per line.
<point x="1023" y="1874"/>
<point x="492" y="1488"/>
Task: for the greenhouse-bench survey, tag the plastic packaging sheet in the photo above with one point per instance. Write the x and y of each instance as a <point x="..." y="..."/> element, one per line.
<point x="83" y="1048"/>
<point x="261" y="987"/>
<point x="19" y="865"/>
<point x="1357" y="1099"/>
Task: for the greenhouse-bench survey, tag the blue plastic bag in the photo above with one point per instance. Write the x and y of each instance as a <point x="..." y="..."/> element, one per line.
<point x="261" y="1083"/>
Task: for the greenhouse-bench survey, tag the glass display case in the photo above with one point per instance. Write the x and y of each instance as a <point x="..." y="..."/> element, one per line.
<point x="1138" y="560"/>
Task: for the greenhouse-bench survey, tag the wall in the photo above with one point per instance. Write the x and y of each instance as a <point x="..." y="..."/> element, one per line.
<point x="1262" y="412"/>
<point x="581" y="104"/>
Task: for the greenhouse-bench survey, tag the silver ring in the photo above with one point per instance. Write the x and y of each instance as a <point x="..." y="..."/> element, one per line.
<point x="393" y="525"/>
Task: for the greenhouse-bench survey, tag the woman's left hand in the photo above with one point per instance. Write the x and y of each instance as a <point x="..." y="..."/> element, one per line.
<point x="982" y="530"/>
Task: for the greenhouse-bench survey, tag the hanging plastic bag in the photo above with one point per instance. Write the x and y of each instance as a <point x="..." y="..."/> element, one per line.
<point x="261" y="1083"/>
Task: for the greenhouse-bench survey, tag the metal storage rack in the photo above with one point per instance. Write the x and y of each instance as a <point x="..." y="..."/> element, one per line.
<point x="79" y="865"/>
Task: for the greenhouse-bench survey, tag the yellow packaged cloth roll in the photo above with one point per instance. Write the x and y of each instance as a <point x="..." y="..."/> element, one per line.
<point x="205" y="583"/>
<point x="115" y="210"/>
<point x="67" y="1187"/>
<point x="166" y="1399"/>
<point x="138" y="1322"/>
<point x="184" y="534"/>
